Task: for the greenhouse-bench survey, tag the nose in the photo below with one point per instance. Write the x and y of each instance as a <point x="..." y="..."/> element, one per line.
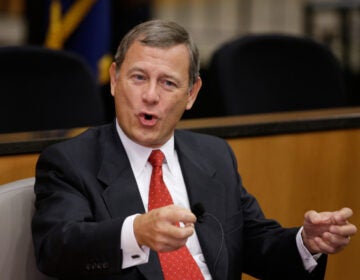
<point x="150" y="93"/>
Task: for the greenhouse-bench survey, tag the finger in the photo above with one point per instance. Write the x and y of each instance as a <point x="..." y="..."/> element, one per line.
<point x="325" y="247"/>
<point x="311" y="216"/>
<point x="336" y="241"/>
<point x="314" y="217"/>
<point x="167" y="221"/>
<point x="343" y="230"/>
<point x="173" y="239"/>
<point x="189" y="225"/>
<point x="187" y="217"/>
<point x="340" y="217"/>
<point x="178" y="214"/>
<point x="180" y="233"/>
<point x="166" y="243"/>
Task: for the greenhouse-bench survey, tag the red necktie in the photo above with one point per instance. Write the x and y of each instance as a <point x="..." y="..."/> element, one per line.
<point x="178" y="264"/>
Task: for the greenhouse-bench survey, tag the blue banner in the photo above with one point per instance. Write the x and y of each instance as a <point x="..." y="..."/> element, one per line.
<point x="83" y="27"/>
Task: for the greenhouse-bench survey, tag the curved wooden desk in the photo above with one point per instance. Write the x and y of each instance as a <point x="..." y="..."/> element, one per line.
<point x="291" y="162"/>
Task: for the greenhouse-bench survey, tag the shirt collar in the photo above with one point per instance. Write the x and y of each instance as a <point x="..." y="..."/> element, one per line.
<point x="138" y="155"/>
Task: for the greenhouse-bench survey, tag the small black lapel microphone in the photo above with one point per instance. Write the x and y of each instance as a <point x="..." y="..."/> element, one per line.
<point x="198" y="210"/>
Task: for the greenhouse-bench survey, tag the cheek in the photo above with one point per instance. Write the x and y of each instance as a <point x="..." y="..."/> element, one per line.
<point x="124" y="104"/>
<point x="124" y="96"/>
<point x="176" y="109"/>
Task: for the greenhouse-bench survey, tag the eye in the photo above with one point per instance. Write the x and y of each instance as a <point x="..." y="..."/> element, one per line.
<point x="169" y="84"/>
<point x="138" y="77"/>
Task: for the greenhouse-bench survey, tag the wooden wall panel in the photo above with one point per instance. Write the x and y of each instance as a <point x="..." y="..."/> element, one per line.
<point x="290" y="174"/>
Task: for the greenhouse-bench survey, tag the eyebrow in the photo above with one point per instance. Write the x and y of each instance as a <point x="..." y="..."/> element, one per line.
<point x="164" y="75"/>
<point x="133" y="69"/>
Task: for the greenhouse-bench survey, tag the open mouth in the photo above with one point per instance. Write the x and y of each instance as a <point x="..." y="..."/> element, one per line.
<point x="148" y="119"/>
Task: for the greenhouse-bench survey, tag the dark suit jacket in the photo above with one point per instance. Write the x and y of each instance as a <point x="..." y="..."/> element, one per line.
<point x="85" y="189"/>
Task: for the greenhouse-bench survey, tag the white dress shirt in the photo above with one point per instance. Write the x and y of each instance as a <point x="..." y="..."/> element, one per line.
<point x="172" y="175"/>
<point x="138" y="156"/>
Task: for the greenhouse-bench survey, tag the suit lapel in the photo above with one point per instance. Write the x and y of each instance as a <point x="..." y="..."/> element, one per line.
<point x="203" y="187"/>
<point x="121" y="194"/>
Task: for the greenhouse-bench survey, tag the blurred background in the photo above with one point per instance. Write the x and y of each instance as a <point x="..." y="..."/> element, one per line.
<point x="93" y="29"/>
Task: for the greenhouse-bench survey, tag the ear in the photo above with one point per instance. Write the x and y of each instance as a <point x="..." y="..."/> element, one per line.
<point x="113" y="78"/>
<point x="193" y="93"/>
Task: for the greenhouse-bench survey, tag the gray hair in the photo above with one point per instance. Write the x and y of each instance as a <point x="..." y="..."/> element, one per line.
<point x="161" y="34"/>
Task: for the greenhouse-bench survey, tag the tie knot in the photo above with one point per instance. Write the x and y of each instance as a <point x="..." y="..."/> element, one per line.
<point x="156" y="158"/>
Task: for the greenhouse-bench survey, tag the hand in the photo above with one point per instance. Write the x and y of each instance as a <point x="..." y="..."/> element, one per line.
<point x="327" y="232"/>
<point x="158" y="228"/>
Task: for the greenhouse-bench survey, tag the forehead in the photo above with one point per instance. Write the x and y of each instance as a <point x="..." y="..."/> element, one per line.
<point x="176" y="55"/>
<point x="172" y="60"/>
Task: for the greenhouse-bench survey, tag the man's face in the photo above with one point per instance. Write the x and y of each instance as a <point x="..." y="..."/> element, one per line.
<point x="151" y="92"/>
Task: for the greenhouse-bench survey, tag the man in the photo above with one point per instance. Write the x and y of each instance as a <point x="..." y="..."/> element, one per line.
<point x="96" y="216"/>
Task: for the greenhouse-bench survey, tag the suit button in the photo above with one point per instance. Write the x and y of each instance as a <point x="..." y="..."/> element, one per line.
<point x="105" y="265"/>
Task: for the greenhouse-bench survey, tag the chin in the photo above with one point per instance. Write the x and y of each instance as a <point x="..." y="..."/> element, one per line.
<point x="145" y="141"/>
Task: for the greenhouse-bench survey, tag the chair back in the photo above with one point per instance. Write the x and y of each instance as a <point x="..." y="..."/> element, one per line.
<point x="17" y="257"/>
<point x="270" y="73"/>
<point x="44" y="89"/>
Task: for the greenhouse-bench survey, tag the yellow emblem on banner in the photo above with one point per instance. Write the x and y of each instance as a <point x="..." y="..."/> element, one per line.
<point x="62" y="26"/>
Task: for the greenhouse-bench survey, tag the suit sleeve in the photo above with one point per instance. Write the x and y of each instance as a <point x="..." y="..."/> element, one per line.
<point x="68" y="238"/>
<point x="270" y="251"/>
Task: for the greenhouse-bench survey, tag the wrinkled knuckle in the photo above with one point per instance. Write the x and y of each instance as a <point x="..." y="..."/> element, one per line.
<point x="158" y="214"/>
<point x="183" y="236"/>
